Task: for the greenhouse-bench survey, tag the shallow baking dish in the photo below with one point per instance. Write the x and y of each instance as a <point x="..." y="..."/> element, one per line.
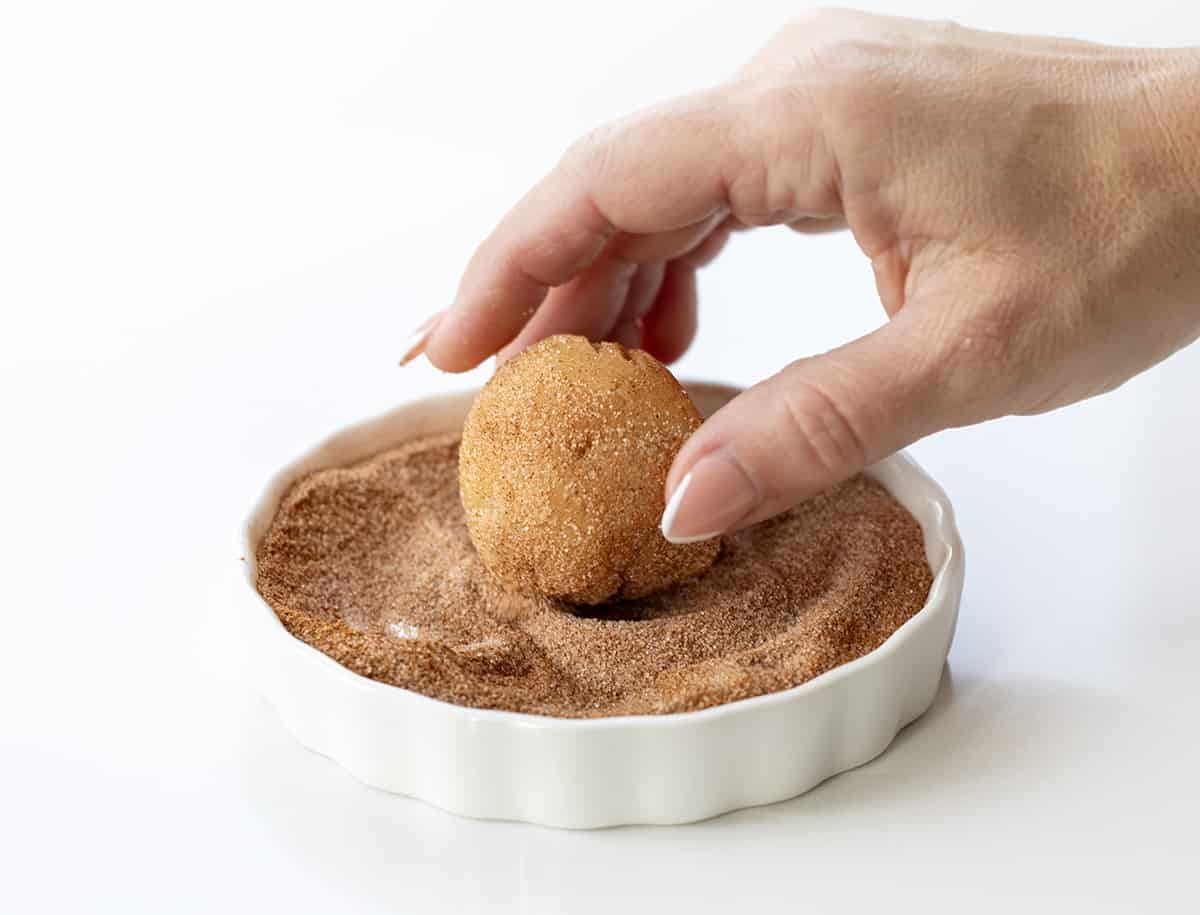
<point x="583" y="773"/>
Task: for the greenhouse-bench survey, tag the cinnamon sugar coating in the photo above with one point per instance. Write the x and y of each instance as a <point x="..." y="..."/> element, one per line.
<point x="564" y="457"/>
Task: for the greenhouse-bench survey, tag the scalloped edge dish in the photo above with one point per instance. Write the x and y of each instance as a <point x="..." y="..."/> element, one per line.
<point x="587" y="773"/>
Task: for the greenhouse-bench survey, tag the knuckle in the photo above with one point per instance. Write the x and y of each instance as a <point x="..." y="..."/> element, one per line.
<point x="944" y="29"/>
<point x="785" y="160"/>
<point x="826" y="46"/>
<point x="781" y="97"/>
<point x="818" y="20"/>
<point x="834" y="83"/>
<point x="762" y="192"/>
<point x="849" y="75"/>
<point x="591" y="153"/>
<point x="825" y="428"/>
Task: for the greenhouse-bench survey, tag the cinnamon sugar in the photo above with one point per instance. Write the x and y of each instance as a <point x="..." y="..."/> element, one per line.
<point x="373" y="566"/>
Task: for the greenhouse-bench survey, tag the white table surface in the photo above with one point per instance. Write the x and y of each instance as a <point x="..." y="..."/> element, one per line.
<point x="217" y="224"/>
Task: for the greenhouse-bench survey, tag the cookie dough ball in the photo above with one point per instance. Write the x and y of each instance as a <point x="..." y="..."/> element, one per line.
<point x="562" y="465"/>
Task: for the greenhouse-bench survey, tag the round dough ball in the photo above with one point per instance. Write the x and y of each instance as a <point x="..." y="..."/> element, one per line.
<point x="562" y="465"/>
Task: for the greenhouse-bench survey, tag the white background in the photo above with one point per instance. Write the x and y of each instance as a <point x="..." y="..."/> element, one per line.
<point x="219" y="220"/>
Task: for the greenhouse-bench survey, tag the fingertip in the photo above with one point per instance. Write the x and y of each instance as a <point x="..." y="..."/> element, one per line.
<point x="449" y="347"/>
<point x="628" y="334"/>
<point x="667" y="355"/>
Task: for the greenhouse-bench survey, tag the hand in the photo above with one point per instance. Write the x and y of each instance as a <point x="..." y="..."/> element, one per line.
<point x="1030" y="208"/>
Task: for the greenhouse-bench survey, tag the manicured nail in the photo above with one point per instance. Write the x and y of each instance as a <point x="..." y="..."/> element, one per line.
<point x="415" y="344"/>
<point x="711" y="498"/>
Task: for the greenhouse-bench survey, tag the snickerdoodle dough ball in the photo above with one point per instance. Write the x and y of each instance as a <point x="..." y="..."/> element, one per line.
<point x="561" y="469"/>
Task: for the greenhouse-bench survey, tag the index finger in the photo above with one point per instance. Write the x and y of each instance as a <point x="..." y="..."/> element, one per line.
<point x="661" y="170"/>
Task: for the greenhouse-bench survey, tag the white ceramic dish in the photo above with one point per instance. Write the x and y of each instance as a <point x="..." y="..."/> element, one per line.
<point x="604" y="771"/>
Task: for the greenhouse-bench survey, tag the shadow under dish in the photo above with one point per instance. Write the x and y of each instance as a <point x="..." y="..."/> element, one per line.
<point x="373" y="566"/>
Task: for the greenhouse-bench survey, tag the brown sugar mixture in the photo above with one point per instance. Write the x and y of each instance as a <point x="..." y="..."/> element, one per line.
<point x="372" y="565"/>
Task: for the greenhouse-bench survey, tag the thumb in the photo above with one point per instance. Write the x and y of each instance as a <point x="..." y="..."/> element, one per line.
<point x="814" y="424"/>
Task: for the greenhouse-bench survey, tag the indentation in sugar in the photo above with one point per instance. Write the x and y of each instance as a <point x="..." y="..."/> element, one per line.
<point x="404" y="630"/>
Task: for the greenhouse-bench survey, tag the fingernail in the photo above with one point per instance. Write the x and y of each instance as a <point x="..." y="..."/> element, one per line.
<point x="711" y="498"/>
<point x="415" y="344"/>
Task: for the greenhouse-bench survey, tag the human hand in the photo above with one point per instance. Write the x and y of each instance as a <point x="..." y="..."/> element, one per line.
<point x="1030" y="208"/>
